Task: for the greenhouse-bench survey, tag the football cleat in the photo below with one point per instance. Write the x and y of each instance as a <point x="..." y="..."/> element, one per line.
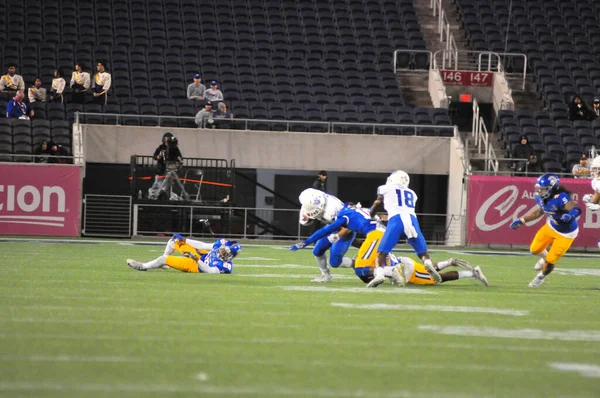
<point x="536" y="282"/>
<point x="324" y="278"/>
<point x="376" y="281"/>
<point x="478" y="274"/>
<point x="135" y="265"/>
<point x="435" y="275"/>
<point x="540" y="263"/>
<point x="457" y="262"/>
<point x="398" y="277"/>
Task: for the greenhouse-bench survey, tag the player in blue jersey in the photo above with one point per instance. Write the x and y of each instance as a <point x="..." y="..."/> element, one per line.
<point x="399" y="201"/>
<point x="320" y="206"/>
<point x="348" y="222"/>
<point x="560" y="229"/>
<point x="198" y="257"/>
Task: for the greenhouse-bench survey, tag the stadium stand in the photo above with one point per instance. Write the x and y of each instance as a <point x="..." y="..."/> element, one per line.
<point x="559" y="40"/>
<point x="305" y="60"/>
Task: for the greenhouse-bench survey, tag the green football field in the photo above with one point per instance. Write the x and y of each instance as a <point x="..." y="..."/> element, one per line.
<point x="75" y="321"/>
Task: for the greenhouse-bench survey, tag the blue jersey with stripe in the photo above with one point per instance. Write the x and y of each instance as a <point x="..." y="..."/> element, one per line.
<point x="357" y="220"/>
<point x="554" y="208"/>
<point x="212" y="260"/>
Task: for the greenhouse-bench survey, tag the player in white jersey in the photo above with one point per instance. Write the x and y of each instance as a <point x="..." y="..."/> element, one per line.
<point x="592" y="201"/>
<point x="318" y="205"/>
<point x="399" y="201"/>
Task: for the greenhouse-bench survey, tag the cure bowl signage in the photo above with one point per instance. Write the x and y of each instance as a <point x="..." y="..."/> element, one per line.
<point x="495" y="202"/>
<point x="40" y="199"/>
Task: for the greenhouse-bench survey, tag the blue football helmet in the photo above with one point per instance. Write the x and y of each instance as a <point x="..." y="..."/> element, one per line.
<point x="228" y="251"/>
<point x="547" y="185"/>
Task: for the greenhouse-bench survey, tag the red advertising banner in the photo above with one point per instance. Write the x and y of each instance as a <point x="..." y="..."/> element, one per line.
<point x="40" y="199"/>
<point x="495" y="202"/>
<point x="467" y="78"/>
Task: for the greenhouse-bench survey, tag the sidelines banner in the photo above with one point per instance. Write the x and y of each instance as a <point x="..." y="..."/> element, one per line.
<point x="40" y="199"/>
<point x="495" y="202"/>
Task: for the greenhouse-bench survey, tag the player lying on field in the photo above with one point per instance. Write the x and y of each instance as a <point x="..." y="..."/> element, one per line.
<point x="199" y="257"/>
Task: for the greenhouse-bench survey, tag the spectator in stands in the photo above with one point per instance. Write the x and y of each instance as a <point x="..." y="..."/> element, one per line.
<point x="41" y="152"/>
<point x="37" y="92"/>
<point x="204" y="115"/>
<point x="578" y="110"/>
<point x="17" y="108"/>
<point x="102" y="82"/>
<point x="57" y="154"/>
<point x="582" y="170"/>
<point x="58" y="86"/>
<point x="596" y="109"/>
<point x="533" y="166"/>
<point x="522" y="151"/>
<point x="11" y="82"/>
<point x="80" y="84"/>
<point x="221" y="116"/>
<point x="320" y="181"/>
<point x="213" y="93"/>
<point x="195" y="90"/>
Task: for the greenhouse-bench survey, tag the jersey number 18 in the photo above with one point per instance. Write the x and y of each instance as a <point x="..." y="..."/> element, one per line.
<point x="405" y="198"/>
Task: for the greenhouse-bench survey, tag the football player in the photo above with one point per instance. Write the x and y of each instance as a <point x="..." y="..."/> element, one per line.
<point x="399" y="201"/>
<point x="318" y="205"/>
<point x="349" y="221"/>
<point x="560" y="229"/>
<point x="592" y="201"/>
<point x="198" y="257"/>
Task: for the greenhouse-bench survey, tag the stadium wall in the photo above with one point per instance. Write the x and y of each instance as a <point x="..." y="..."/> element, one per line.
<point x="277" y="150"/>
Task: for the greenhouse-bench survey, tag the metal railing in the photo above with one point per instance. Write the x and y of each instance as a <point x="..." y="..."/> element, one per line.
<point x="507" y="171"/>
<point x="52" y="159"/>
<point x="481" y="139"/>
<point x="288" y="125"/>
<point x="480" y="61"/>
<point x="446" y="36"/>
<point x="407" y="59"/>
<point x="516" y="55"/>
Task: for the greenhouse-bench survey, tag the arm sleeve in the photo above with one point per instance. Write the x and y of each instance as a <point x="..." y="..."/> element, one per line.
<point x="60" y="86"/>
<point x="189" y="91"/>
<point x="2" y="83"/>
<point x="207" y="269"/>
<point x="196" y="244"/>
<point x="198" y="118"/>
<point x="156" y="153"/>
<point x="334" y="226"/>
<point x="220" y="96"/>
<point x="107" y="83"/>
<point x="86" y="80"/>
<point x="30" y="95"/>
<point x="21" y="84"/>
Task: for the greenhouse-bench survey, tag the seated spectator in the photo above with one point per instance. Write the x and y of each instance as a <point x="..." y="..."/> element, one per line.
<point x="57" y="154"/>
<point x="522" y="152"/>
<point x="533" y="165"/>
<point x="213" y="93"/>
<point x="578" y="110"/>
<point x="204" y="115"/>
<point x="80" y="84"/>
<point x="58" y="86"/>
<point x="17" y="109"/>
<point x="221" y="116"/>
<point x="582" y="170"/>
<point x="11" y="82"/>
<point x="102" y="82"/>
<point x="37" y="93"/>
<point x="41" y="152"/>
<point x="596" y="109"/>
<point x="195" y="90"/>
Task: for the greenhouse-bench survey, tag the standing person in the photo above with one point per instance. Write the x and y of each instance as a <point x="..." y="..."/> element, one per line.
<point x="592" y="201"/>
<point x="560" y="230"/>
<point x="102" y="82"/>
<point x="37" y="93"/>
<point x="213" y="94"/>
<point x="522" y="151"/>
<point x="11" y="82"/>
<point x="80" y="84"/>
<point x="581" y="170"/>
<point x="16" y="108"/>
<point x="195" y="91"/>
<point x="321" y="181"/>
<point x="399" y="201"/>
<point x="58" y="87"/>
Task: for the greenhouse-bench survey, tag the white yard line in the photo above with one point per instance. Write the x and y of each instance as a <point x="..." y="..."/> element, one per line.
<point x="435" y="308"/>
<point x="584" y="369"/>
<point x="362" y="289"/>
<point x="529" y="334"/>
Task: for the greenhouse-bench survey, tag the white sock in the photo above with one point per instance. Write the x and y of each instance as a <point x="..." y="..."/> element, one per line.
<point x="322" y="263"/>
<point x="443" y="264"/>
<point x="428" y="263"/>
<point x="465" y="273"/>
<point x="346" y="262"/>
<point x="379" y="271"/>
<point x="170" y="248"/>
<point x="159" y="262"/>
<point x="196" y="244"/>
<point x="543" y="254"/>
<point x="540" y="275"/>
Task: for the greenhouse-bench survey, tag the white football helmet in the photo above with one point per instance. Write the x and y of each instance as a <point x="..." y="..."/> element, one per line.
<point x="398" y="177"/>
<point x="595" y="167"/>
<point x="317" y="205"/>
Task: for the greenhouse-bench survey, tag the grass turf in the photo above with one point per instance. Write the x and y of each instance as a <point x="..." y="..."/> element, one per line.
<point x="75" y="321"/>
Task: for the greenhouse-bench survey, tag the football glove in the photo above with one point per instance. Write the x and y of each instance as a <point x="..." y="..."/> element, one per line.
<point x="297" y="246"/>
<point x="587" y="198"/>
<point x="516" y="224"/>
<point x="566" y="217"/>
<point x="592" y="206"/>
<point x="410" y="232"/>
<point x="333" y="238"/>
